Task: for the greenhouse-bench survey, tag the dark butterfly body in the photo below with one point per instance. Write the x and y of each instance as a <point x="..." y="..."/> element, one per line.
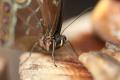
<point x="51" y="11"/>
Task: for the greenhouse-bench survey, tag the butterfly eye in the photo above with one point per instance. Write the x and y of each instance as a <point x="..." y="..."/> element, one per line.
<point x="63" y="37"/>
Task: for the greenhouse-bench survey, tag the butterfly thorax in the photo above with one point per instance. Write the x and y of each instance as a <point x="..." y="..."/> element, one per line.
<point x="49" y="42"/>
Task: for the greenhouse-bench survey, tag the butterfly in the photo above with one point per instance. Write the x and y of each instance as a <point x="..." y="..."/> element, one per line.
<point x="51" y="11"/>
<point x="51" y="24"/>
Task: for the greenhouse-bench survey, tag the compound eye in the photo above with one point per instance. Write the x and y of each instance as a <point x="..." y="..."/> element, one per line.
<point x="64" y="38"/>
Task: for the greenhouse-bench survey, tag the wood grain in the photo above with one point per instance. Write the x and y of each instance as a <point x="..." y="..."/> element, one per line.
<point x="40" y="67"/>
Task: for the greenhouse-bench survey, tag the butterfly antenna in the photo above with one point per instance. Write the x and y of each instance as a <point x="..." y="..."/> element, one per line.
<point x="35" y="44"/>
<point x="76" y="18"/>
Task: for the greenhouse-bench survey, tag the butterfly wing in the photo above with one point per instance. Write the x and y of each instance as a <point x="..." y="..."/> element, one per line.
<point x="51" y="14"/>
<point x="28" y="27"/>
<point x="7" y="22"/>
<point x="58" y="22"/>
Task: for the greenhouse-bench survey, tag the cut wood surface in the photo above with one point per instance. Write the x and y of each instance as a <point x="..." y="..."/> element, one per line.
<point x="40" y="67"/>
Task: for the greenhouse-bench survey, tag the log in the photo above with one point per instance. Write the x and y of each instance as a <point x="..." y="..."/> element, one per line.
<point x="101" y="66"/>
<point x="40" y="67"/>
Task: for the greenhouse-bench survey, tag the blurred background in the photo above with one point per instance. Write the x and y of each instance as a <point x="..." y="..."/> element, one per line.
<point x="9" y="57"/>
<point x="73" y="8"/>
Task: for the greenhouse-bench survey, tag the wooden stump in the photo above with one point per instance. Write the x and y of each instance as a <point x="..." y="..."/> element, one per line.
<point x="40" y="67"/>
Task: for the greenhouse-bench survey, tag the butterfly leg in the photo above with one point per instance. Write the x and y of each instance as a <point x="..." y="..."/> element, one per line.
<point x="53" y="52"/>
<point x="33" y="47"/>
<point x="73" y="48"/>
